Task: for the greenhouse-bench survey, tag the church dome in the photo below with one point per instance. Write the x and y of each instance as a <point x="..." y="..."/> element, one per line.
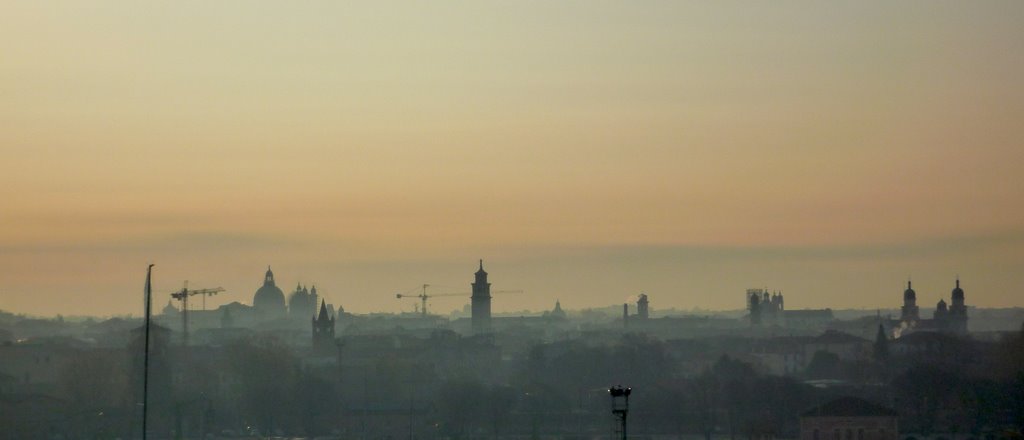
<point x="301" y="303"/>
<point x="909" y="294"/>
<point x="169" y="309"/>
<point x="269" y="299"/>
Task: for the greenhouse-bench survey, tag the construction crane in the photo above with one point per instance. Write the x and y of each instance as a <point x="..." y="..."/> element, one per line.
<point x="423" y="296"/>
<point x="182" y="295"/>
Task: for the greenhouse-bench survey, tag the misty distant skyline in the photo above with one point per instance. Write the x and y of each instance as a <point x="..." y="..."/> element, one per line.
<point x="587" y="151"/>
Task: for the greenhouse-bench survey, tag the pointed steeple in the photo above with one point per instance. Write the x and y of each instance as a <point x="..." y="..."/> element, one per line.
<point x="481" y="271"/>
<point x="323" y="312"/>
<point x="323" y="331"/>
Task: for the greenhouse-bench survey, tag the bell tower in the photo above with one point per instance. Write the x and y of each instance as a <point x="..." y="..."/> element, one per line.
<point x="958" y="310"/>
<point x="909" y="311"/>
<point x="323" y="330"/>
<point x="481" y="302"/>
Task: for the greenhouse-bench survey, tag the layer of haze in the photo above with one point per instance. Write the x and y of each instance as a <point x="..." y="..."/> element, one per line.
<point x="586" y="150"/>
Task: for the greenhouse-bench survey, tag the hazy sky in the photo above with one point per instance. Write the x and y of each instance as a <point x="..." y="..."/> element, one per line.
<point x="586" y="150"/>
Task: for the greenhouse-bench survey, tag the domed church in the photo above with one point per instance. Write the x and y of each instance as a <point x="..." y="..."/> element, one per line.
<point x="302" y="304"/>
<point x="949" y="318"/>
<point x="268" y="302"/>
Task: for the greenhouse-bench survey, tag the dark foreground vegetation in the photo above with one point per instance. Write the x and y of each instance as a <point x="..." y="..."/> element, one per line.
<point x="452" y="387"/>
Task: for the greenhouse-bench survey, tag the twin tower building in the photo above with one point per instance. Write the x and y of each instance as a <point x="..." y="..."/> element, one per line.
<point x="948" y="318"/>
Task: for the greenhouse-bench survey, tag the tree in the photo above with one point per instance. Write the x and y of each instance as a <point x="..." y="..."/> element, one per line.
<point x="499" y="401"/>
<point x="926" y="391"/>
<point x="881" y="347"/>
<point x="735" y="384"/>
<point x="266" y="371"/>
<point x="460" y="404"/>
<point x="824" y="365"/>
<point x="705" y="390"/>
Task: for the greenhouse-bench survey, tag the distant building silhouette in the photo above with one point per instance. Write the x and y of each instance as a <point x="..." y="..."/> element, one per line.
<point x="268" y="301"/>
<point x="481" y="302"/>
<point x="302" y="303"/>
<point x="958" y="311"/>
<point x="948" y="317"/>
<point x="765" y="308"/>
<point x="557" y="312"/>
<point x="642" y="311"/>
<point x="754" y="306"/>
<point x="909" y="311"/>
<point x="776" y="308"/>
<point x="169" y="309"/>
<point x="323" y="331"/>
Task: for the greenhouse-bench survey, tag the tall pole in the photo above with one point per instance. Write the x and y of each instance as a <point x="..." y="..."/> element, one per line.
<point x="184" y="315"/>
<point x="145" y="362"/>
<point x="423" y="297"/>
<point x="620" y="410"/>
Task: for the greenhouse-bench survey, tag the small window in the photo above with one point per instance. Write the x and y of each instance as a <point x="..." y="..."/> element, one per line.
<point x="860" y="434"/>
<point x="816" y="435"/>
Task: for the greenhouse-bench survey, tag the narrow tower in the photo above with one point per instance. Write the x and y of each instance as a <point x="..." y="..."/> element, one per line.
<point x="481" y="302"/>
<point x="755" y="308"/>
<point x="909" y="311"/>
<point x="641" y="307"/>
<point x="958" y="310"/>
<point x="323" y="331"/>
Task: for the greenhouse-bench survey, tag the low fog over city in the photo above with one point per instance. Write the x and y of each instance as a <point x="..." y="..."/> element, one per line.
<point x="298" y="365"/>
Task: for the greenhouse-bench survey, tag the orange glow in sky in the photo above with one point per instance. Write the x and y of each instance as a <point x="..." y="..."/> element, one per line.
<point x="586" y="150"/>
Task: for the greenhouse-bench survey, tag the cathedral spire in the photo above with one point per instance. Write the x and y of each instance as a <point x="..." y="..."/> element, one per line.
<point x="323" y="311"/>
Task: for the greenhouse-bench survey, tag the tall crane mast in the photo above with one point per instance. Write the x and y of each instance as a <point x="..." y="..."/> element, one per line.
<point x="182" y="295"/>
<point x="423" y="296"/>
